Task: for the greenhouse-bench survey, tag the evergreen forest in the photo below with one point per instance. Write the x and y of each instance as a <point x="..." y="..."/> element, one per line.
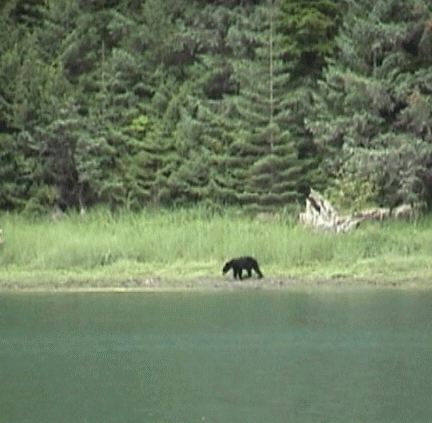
<point x="138" y="103"/>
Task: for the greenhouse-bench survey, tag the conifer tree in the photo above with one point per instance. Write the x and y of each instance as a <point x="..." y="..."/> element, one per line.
<point x="308" y="29"/>
<point x="374" y="112"/>
<point x="264" y="156"/>
<point x="194" y="115"/>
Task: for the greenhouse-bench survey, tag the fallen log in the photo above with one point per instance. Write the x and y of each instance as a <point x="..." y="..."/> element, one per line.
<point x="321" y="215"/>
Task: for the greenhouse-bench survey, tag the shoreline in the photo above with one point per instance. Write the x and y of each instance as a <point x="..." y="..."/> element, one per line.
<point x="208" y="284"/>
<point x="185" y="251"/>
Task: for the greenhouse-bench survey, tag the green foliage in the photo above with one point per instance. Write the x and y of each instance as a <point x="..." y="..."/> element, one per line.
<point x="14" y="174"/>
<point x="264" y="155"/>
<point x="132" y="104"/>
<point x="352" y="193"/>
<point x="372" y="116"/>
<point x="310" y="27"/>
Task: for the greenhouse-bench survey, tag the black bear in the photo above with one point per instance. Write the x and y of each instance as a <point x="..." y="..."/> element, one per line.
<point x="240" y="263"/>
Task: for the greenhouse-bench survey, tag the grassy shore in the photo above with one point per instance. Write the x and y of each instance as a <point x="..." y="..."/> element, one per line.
<point x="187" y="248"/>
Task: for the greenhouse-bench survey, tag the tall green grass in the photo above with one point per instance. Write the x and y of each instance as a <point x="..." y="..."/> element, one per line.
<point x="195" y="243"/>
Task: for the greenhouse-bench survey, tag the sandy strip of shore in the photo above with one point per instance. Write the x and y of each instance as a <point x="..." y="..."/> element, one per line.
<point x="205" y="284"/>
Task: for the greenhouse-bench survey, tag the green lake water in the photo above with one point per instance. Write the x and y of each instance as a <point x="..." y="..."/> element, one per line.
<point x="252" y="356"/>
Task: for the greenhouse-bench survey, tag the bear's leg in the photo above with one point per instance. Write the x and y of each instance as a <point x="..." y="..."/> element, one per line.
<point x="235" y="271"/>
<point x="249" y="272"/>
<point x="258" y="271"/>
<point x="240" y="271"/>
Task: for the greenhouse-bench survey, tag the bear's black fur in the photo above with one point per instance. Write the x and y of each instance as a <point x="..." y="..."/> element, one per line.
<point x="242" y="263"/>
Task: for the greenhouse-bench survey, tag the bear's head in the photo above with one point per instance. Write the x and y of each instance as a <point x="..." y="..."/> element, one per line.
<point x="227" y="267"/>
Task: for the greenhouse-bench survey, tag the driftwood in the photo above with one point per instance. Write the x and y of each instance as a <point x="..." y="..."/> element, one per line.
<point x="321" y="215"/>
